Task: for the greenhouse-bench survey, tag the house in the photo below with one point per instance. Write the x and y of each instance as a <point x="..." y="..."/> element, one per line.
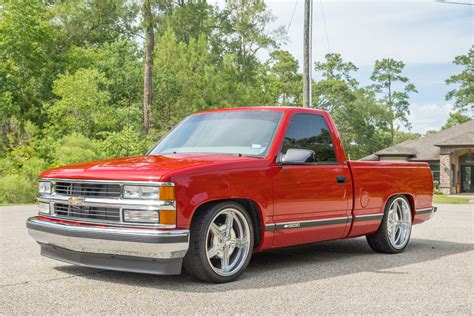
<point x="449" y="152"/>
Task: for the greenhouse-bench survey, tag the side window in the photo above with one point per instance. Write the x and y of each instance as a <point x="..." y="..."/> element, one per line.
<point x="309" y="131"/>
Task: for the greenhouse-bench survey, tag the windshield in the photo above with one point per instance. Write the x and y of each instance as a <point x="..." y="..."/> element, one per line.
<point x="247" y="133"/>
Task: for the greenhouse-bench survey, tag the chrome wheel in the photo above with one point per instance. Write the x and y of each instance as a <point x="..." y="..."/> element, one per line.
<point x="399" y="223"/>
<point x="228" y="242"/>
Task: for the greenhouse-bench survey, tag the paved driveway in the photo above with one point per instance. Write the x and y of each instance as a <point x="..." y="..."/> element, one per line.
<point x="434" y="275"/>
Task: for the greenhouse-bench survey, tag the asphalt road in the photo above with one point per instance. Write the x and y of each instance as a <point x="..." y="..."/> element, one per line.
<point x="434" y="275"/>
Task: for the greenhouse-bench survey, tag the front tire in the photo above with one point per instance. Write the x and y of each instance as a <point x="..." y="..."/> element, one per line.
<point x="221" y="243"/>
<point x="394" y="232"/>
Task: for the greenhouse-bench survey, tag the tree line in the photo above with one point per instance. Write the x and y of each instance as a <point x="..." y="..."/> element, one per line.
<point x="89" y="79"/>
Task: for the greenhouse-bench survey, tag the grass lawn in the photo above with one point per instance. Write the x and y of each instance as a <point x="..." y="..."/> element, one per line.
<point x="10" y="204"/>
<point x="442" y="199"/>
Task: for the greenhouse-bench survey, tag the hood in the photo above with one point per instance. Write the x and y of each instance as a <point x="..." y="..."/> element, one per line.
<point x="149" y="168"/>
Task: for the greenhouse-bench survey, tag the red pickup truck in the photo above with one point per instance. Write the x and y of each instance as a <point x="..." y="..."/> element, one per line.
<point x="221" y="186"/>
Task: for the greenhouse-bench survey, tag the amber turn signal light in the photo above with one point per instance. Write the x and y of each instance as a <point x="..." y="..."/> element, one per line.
<point x="168" y="217"/>
<point x="167" y="193"/>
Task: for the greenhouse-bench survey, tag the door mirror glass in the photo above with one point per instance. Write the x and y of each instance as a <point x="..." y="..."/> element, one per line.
<point x="295" y="156"/>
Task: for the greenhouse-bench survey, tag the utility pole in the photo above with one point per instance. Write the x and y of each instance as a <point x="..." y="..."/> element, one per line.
<point x="148" y="73"/>
<point x="308" y="8"/>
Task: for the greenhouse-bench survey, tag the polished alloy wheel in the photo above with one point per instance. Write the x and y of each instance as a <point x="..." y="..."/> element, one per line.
<point x="399" y="223"/>
<point x="228" y="242"/>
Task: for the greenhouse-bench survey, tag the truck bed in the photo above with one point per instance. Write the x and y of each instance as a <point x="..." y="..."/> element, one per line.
<point x="374" y="182"/>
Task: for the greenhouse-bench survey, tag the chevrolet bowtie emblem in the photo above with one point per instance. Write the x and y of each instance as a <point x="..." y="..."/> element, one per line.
<point x="76" y="201"/>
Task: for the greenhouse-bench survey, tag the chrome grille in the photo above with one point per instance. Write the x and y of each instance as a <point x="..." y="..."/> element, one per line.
<point x="99" y="190"/>
<point x="90" y="212"/>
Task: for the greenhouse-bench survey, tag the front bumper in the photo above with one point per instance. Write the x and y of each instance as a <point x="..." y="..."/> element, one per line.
<point x="110" y="247"/>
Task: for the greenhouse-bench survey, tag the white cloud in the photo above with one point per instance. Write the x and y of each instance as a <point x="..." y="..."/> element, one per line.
<point x="426" y="117"/>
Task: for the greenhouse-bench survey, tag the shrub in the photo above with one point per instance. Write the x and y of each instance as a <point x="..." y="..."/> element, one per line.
<point x="125" y="143"/>
<point x="16" y="189"/>
<point x="75" y="148"/>
<point x="33" y="167"/>
<point x="82" y="99"/>
<point x="7" y="166"/>
<point x="436" y="187"/>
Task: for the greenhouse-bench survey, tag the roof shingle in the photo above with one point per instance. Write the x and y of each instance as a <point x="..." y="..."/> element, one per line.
<point x="427" y="148"/>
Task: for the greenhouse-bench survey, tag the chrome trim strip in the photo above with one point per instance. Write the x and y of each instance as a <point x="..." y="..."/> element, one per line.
<point x="308" y="223"/>
<point x="269" y="227"/>
<point x="154" y="183"/>
<point x="368" y="217"/>
<point x="114" y="203"/>
<point x="149" y="243"/>
<point x="121" y="204"/>
<point x="425" y="210"/>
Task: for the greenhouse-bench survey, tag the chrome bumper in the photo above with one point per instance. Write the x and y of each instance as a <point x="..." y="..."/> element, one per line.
<point x="116" y="248"/>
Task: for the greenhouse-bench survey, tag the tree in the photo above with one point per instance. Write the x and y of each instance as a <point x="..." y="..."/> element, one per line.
<point x="90" y="23"/>
<point x="387" y="75"/>
<point x="83" y="104"/>
<point x="29" y="62"/>
<point x="355" y="110"/>
<point x="361" y="125"/>
<point x="455" y="119"/>
<point x="335" y="68"/>
<point x="401" y="136"/>
<point x="463" y="95"/>
<point x="189" y="19"/>
<point x="284" y="81"/>
<point x="244" y="32"/>
<point x="335" y="89"/>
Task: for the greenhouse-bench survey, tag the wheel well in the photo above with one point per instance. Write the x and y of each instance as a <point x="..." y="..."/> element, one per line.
<point x="251" y="207"/>
<point x="410" y="199"/>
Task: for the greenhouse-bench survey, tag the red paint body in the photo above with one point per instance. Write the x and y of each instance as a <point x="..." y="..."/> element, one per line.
<point x="282" y="193"/>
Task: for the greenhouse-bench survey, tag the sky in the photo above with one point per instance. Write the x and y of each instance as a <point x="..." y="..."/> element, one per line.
<point x="425" y="35"/>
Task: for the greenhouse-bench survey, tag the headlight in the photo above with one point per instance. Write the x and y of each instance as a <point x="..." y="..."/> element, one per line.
<point x="43" y="208"/>
<point x="138" y="216"/>
<point x="44" y="187"/>
<point x="141" y="192"/>
<point x="164" y="193"/>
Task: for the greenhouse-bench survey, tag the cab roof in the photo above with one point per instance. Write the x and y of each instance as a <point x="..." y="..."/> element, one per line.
<point x="268" y="108"/>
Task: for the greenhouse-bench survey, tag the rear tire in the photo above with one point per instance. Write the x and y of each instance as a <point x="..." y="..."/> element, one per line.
<point x="394" y="232"/>
<point x="221" y="243"/>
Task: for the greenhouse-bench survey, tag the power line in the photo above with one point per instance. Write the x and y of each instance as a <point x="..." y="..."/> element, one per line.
<point x="324" y="24"/>
<point x="292" y="15"/>
<point x="454" y="2"/>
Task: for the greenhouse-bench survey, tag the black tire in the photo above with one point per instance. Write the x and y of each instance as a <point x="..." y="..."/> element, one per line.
<point x="380" y="241"/>
<point x="196" y="262"/>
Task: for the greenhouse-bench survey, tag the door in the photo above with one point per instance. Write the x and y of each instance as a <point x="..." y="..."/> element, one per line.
<point x="467" y="177"/>
<point x="467" y="172"/>
<point x="312" y="201"/>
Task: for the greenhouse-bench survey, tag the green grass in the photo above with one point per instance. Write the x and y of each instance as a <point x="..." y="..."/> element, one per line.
<point x="443" y="199"/>
<point x="12" y="204"/>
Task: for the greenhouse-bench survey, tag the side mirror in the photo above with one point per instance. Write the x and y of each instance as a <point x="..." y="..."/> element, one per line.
<point x="295" y="156"/>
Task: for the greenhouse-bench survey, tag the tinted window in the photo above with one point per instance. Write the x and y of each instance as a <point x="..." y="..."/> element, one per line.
<point x="307" y="131"/>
